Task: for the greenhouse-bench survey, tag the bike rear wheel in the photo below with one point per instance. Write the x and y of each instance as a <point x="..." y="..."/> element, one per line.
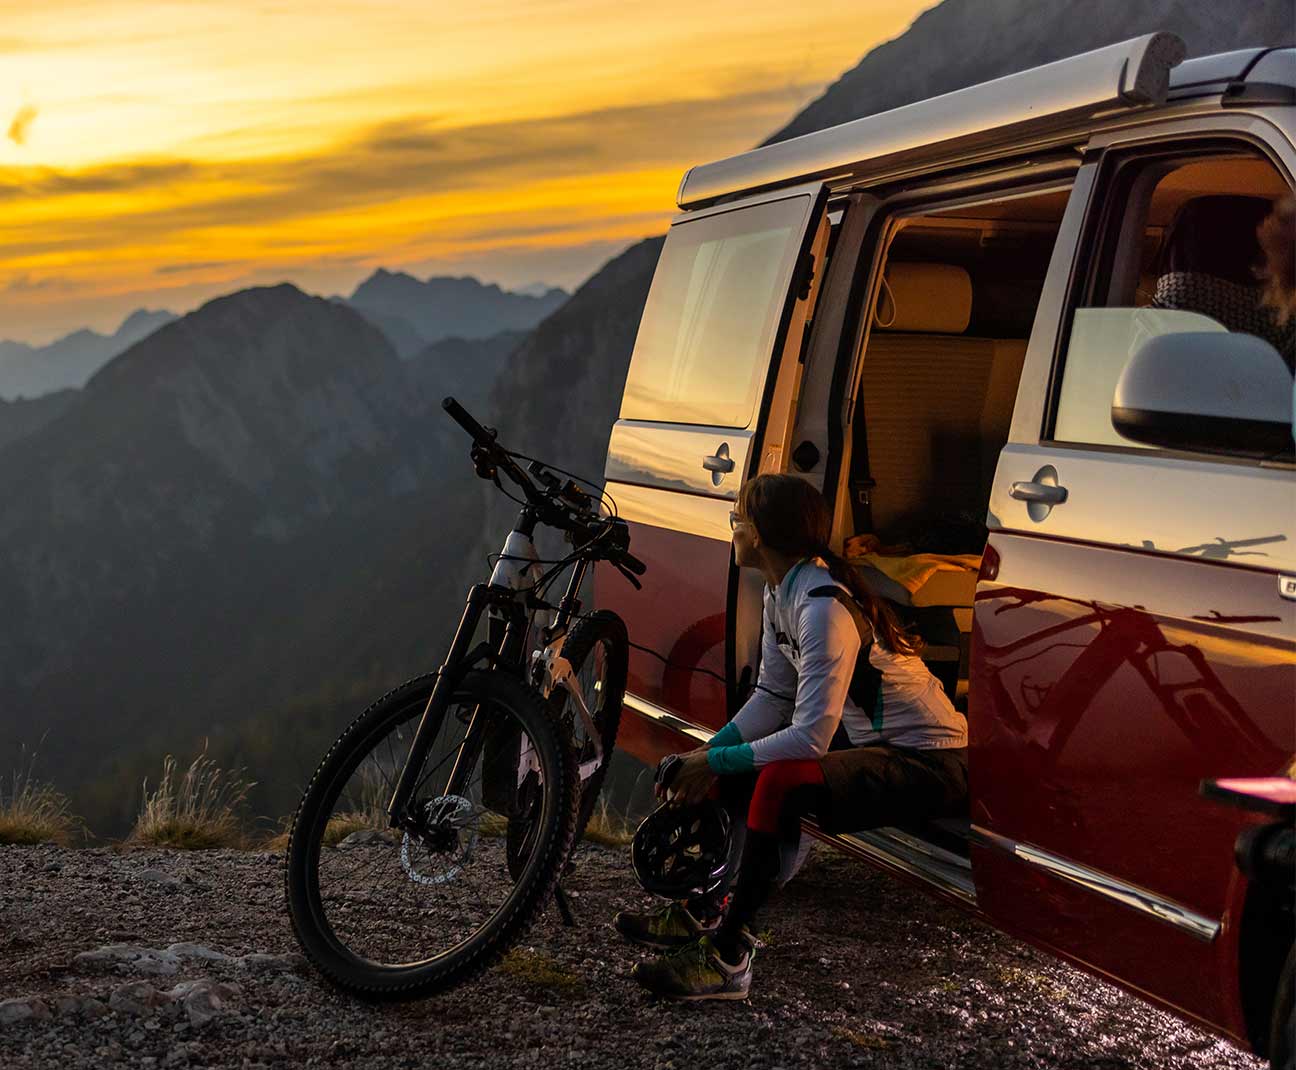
<point x="598" y="649"/>
<point x="400" y="914"/>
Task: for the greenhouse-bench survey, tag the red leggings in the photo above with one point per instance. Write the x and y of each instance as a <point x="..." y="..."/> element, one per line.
<point x="800" y="782"/>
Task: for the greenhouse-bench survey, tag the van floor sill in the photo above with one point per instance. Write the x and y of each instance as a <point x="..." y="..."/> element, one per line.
<point x="900" y="850"/>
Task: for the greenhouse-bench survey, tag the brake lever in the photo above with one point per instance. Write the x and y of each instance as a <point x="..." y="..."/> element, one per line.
<point x="634" y="580"/>
<point x="484" y="463"/>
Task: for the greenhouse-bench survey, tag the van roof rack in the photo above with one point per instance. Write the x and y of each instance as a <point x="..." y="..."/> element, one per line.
<point x="1039" y="101"/>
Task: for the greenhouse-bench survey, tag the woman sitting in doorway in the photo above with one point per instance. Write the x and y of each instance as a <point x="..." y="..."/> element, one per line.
<point x="832" y="655"/>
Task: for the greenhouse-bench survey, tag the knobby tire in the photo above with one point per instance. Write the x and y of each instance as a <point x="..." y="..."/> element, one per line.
<point x="381" y="983"/>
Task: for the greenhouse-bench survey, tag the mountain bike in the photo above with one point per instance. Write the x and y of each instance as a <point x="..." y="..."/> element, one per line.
<point x="437" y="825"/>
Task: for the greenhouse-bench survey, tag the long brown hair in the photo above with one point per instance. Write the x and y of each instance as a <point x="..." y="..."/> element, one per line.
<point x="1277" y="236"/>
<point x="792" y="517"/>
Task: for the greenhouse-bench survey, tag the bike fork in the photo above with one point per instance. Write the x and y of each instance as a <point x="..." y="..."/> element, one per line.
<point x="479" y="597"/>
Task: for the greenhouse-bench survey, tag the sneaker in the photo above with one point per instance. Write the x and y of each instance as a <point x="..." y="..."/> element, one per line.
<point x="696" y="971"/>
<point x="671" y="926"/>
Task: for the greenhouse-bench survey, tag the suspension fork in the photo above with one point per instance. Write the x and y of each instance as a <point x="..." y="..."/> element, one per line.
<point x="570" y="604"/>
<point x="480" y="597"/>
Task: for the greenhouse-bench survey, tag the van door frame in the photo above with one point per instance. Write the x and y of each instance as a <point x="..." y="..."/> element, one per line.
<point x="839" y="343"/>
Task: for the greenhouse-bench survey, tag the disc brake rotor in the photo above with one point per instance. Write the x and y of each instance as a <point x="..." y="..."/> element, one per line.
<point x="450" y="836"/>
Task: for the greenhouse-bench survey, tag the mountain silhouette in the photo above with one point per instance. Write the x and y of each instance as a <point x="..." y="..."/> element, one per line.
<point x="30" y="371"/>
<point x="232" y="515"/>
<point x="414" y="313"/>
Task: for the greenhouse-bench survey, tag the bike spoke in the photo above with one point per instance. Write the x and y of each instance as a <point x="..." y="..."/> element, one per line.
<point x="390" y="896"/>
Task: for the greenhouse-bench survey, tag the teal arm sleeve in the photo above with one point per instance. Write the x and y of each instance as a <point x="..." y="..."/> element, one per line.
<point x="725" y="761"/>
<point x="728" y="736"/>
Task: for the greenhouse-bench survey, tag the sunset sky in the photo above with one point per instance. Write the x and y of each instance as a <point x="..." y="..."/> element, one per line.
<point x="158" y="154"/>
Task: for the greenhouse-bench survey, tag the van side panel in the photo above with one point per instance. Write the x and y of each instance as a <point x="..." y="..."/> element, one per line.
<point x="680" y="614"/>
<point x="1106" y="685"/>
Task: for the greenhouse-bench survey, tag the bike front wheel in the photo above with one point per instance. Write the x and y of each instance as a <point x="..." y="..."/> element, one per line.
<point x="402" y="913"/>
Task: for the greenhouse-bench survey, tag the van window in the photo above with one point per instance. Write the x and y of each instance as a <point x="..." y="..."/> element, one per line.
<point x="1180" y="255"/>
<point x="708" y="326"/>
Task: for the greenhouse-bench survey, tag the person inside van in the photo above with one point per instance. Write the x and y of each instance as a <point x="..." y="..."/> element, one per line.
<point x="1218" y="261"/>
<point x="833" y="657"/>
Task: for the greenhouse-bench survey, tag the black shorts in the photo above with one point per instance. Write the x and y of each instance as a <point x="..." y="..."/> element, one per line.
<point x="872" y="787"/>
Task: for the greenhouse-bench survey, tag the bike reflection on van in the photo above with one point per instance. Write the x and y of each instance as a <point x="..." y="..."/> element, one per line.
<point x="1220" y="549"/>
<point x="1199" y="704"/>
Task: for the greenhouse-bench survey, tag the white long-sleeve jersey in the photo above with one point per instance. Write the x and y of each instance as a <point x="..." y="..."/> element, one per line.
<point x="809" y="648"/>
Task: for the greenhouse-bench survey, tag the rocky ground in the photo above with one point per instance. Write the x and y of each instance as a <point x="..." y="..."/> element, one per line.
<point x="171" y="959"/>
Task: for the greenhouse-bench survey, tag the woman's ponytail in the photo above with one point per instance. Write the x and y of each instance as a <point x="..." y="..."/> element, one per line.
<point x="886" y="625"/>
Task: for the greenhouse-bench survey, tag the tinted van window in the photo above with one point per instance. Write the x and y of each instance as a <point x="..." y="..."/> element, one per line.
<point x="708" y="326"/>
<point x="1185" y="257"/>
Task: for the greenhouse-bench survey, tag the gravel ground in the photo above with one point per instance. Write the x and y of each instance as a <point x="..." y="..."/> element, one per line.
<point x="859" y="970"/>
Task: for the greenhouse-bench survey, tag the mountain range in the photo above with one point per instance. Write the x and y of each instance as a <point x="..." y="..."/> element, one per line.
<point x="256" y="518"/>
<point x="412" y="313"/>
<point x="28" y="371"/>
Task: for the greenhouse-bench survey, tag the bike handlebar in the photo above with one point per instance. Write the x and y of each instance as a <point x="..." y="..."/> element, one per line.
<point x="549" y="500"/>
<point x="464" y="419"/>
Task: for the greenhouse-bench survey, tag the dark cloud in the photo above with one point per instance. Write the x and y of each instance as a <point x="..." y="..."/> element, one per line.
<point x="21" y="124"/>
<point x="196" y="265"/>
<point x="25" y="283"/>
<point x="44" y="182"/>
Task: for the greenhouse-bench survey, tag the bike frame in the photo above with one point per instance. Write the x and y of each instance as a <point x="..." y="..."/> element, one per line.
<point x="508" y="593"/>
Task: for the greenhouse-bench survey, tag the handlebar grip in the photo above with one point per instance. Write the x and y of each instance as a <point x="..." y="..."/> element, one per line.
<point x="464" y="419"/>
<point x="632" y="563"/>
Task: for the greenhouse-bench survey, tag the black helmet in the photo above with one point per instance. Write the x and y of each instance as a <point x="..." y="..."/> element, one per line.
<point x="682" y="851"/>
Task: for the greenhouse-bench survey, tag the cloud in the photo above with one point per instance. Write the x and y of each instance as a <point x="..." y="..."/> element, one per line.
<point x="21" y="124"/>
<point x="418" y="156"/>
<point x="44" y="182"/>
<point x="26" y="283"/>
<point x="196" y="265"/>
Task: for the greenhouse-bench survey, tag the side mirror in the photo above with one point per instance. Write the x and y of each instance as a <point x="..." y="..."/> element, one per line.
<point x="1208" y="391"/>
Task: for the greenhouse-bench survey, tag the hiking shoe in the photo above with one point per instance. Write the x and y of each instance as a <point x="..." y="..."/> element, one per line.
<point x="696" y="971"/>
<point x="671" y="926"/>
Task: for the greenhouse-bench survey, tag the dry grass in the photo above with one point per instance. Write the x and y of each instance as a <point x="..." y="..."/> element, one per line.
<point x="539" y="970"/>
<point x="366" y="796"/>
<point x="196" y="810"/>
<point x="607" y="828"/>
<point x="869" y="1041"/>
<point x="32" y="811"/>
<point x="1018" y="977"/>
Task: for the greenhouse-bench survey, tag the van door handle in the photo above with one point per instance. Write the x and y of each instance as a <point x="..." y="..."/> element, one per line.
<point x="1045" y="493"/>
<point x="720" y="461"/>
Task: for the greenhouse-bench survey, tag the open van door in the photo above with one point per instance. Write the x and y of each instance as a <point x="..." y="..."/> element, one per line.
<point x="733" y="288"/>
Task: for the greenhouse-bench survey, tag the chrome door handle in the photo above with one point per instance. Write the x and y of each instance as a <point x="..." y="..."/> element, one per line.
<point x="1045" y="493"/>
<point x="720" y="461"/>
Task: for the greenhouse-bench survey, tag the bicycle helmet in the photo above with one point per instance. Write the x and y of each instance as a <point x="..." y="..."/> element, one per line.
<point x="682" y="851"/>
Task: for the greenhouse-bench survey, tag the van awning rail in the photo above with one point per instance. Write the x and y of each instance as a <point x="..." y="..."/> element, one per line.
<point x="1129" y="74"/>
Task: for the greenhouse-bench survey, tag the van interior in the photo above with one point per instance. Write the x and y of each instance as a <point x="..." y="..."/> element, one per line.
<point x="938" y="381"/>
<point x="951" y="318"/>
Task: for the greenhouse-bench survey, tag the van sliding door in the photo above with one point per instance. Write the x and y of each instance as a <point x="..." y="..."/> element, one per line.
<point x="731" y="283"/>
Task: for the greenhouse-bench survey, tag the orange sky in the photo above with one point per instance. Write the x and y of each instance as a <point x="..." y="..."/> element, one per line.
<point x="158" y="154"/>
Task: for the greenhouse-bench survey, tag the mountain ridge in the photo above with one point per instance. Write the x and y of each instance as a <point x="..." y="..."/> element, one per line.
<point x="28" y="371"/>
<point x="417" y="312"/>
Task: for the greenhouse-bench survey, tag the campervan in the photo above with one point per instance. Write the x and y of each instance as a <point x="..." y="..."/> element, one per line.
<point x="1015" y="335"/>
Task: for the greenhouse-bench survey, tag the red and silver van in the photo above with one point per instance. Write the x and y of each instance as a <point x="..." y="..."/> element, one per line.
<point x="1014" y="335"/>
